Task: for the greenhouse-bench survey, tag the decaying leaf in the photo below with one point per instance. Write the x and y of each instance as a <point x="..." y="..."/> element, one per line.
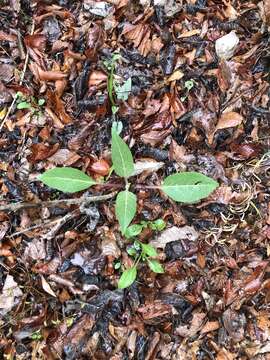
<point x="173" y="234"/>
<point x="10" y="296"/>
<point x="228" y="120"/>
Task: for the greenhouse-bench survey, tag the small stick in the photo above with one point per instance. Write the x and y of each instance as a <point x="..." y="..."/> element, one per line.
<point x="21" y="81"/>
<point x="50" y="203"/>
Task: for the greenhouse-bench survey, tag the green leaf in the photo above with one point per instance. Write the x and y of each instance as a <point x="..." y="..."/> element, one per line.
<point x="41" y="102"/>
<point x="189" y="84"/>
<point x="125" y="208"/>
<point x="132" y="251"/>
<point x="127" y="278"/>
<point x="123" y="91"/>
<point x="115" y="109"/>
<point x="121" y="156"/>
<point x="149" y="250"/>
<point x="133" y="230"/>
<point x="23" y="105"/>
<point x="117" y="126"/>
<point x="117" y="265"/>
<point x="158" y="225"/>
<point x="66" y="179"/>
<point x="188" y="187"/>
<point x="155" y="266"/>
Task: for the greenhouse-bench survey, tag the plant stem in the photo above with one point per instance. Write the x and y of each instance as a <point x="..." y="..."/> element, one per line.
<point x="50" y="203"/>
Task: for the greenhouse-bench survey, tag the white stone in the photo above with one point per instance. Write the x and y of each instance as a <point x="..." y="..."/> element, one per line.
<point x="226" y="45"/>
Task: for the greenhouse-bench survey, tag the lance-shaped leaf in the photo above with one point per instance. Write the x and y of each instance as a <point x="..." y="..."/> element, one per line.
<point x="188" y="187"/>
<point x="155" y="266"/>
<point x="121" y="156"/>
<point x="66" y="179"/>
<point x="127" y="278"/>
<point x="125" y="209"/>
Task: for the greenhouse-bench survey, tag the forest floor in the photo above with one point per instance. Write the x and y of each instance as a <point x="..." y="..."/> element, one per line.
<point x="184" y="105"/>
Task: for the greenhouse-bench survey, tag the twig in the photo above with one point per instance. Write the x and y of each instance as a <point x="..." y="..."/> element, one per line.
<point x="49" y="236"/>
<point x="50" y="203"/>
<point x="21" y="81"/>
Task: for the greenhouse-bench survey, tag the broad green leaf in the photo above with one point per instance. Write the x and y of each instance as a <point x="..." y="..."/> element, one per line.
<point x="123" y="91"/>
<point x="125" y="208"/>
<point x="158" y="225"/>
<point x="121" y="156"/>
<point x="149" y="250"/>
<point x="66" y="179"/>
<point x="23" y="105"/>
<point x="155" y="266"/>
<point x="188" y="187"/>
<point x="127" y="278"/>
<point x="133" y="230"/>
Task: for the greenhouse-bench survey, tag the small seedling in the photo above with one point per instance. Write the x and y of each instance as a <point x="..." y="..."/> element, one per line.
<point x="136" y="229"/>
<point x="24" y="102"/>
<point x="116" y="89"/>
<point x="141" y="252"/>
<point x="36" y="335"/>
<point x="185" y="187"/>
<point x="189" y="84"/>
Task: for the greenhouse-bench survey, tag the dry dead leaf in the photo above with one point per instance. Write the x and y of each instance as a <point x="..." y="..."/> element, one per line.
<point x="46" y="287"/>
<point x="174" y="234"/>
<point x="10" y="295"/>
<point x="192" y="329"/>
<point x="228" y="120"/>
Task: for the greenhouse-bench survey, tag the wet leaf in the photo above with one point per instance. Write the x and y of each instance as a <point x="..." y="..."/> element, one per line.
<point x="66" y="179"/>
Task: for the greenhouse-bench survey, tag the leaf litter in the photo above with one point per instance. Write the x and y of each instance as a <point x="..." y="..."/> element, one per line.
<point x="191" y="90"/>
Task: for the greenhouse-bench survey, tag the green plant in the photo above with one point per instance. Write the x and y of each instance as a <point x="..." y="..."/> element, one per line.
<point x="185" y="187"/>
<point x="189" y="84"/>
<point x="36" y="335"/>
<point x="121" y="91"/>
<point x="140" y="252"/>
<point x="24" y="102"/>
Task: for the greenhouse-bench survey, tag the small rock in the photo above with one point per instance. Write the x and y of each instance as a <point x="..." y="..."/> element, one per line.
<point x="226" y="45"/>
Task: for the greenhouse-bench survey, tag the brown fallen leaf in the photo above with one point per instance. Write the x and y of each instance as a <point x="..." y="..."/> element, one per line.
<point x="234" y="322"/>
<point x="228" y="120"/>
<point x="7" y="37"/>
<point x="96" y="78"/>
<point x="42" y="75"/>
<point x="210" y="326"/>
<point x="100" y="167"/>
<point x="36" y="41"/>
<point x="41" y="152"/>
<point x="246" y="151"/>
<point x="189" y="33"/>
<point x="187" y="331"/>
<point x="64" y="157"/>
<point x="266" y="5"/>
<point x="154" y="310"/>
